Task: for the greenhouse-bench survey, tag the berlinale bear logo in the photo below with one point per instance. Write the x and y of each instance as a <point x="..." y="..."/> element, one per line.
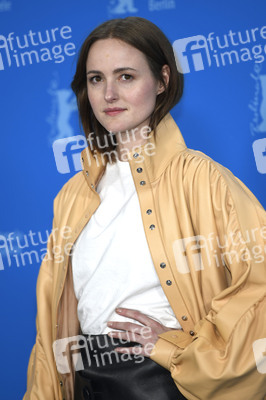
<point x="122" y="7"/>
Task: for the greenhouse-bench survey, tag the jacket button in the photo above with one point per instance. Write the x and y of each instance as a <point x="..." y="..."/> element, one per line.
<point x="168" y="283"/>
<point x="142" y="183"/>
<point x="139" y="170"/>
<point x="184" y="318"/>
<point x="192" y="333"/>
<point x="162" y="265"/>
<point x="61" y="383"/>
<point x="135" y="155"/>
<point x="152" y="227"/>
<point x="149" y="211"/>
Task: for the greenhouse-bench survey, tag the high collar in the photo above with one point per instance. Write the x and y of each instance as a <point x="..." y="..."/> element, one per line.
<point x="167" y="142"/>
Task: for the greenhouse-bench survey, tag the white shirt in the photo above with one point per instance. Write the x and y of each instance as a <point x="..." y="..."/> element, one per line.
<point x="112" y="265"/>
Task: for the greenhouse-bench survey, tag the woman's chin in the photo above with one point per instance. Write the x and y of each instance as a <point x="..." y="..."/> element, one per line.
<point x="117" y="128"/>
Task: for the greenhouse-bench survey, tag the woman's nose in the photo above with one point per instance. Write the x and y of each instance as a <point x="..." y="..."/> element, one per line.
<point x="111" y="93"/>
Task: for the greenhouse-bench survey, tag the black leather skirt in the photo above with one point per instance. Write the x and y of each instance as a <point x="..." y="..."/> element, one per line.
<point x="108" y="375"/>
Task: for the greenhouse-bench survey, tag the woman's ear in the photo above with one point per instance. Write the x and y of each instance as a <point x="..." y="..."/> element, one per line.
<point x="166" y="77"/>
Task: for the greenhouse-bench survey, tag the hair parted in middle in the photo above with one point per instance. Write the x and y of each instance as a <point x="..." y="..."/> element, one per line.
<point x="152" y="42"/>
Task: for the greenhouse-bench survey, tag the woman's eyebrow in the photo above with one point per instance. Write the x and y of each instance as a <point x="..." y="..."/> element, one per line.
<point x="117" y="70"/>
<point x="124" y="69"/>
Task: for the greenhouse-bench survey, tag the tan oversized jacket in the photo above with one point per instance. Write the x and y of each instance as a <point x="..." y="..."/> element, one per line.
<point x="206" y="233"/>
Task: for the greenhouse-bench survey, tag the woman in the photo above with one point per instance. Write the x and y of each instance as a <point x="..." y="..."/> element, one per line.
<point x="153" y="285"/>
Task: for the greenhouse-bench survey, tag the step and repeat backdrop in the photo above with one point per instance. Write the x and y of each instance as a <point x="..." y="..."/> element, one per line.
<point x="221" y="46"/>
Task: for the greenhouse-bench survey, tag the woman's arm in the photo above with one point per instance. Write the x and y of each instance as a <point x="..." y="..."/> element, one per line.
<point x="42" y="377"/>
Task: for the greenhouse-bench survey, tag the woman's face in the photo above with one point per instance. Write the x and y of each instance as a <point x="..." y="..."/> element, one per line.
<point x="121" y="88"/>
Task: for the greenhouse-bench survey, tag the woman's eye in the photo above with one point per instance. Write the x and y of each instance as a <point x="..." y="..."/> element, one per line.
<point x="95" y="79"/>
<point x="126" y="77"/>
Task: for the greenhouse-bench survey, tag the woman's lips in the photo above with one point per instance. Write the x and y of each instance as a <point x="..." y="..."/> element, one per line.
<point x="113" y="111"/>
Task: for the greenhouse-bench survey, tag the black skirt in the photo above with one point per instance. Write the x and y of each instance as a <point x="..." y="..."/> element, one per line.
<point x="108" y="375"/>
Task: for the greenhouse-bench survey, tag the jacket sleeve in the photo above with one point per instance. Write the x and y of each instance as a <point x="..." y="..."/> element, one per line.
<point x="226" y="358"/>
<point x="41" y="376"/>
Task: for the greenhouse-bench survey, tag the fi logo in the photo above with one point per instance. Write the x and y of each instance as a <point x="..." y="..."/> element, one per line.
<point x="192" y="54"/>
<point x="259" y="150"/>
<point x="67" y="153"/>
<point x="188" y="253"/>
<point x="70" y="351"/>
<point x="259" y="350"/>
<point x="4" y="52"/>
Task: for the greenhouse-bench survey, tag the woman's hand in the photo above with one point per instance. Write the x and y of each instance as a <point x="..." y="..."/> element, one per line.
<point x="146" y="335"/>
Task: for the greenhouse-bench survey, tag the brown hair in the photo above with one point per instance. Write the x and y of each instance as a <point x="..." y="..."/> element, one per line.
<point x="151" y="41"/>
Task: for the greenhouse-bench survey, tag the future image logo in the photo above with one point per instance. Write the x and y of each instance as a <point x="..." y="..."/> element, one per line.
<point x="197" y="253"/>
<point x="35" y="47"/>
<point x="21" y="249"/>
<point x="196" y="53"/>
<point x="82" y="352"/>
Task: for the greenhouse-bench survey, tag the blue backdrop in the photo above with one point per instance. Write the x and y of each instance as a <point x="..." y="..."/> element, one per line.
<point x="222" y="50"/>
